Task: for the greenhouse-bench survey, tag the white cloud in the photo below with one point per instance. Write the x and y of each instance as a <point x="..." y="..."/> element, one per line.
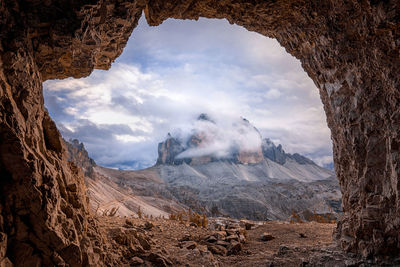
<point x="273" y="94"/>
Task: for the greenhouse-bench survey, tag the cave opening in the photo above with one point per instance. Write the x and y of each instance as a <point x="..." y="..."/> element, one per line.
<point x="348" y="48"/>
<point x="228" y="104"/>
<point x="168" y="75"/>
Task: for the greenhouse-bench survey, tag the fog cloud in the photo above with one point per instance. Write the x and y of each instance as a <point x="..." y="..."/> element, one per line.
<point x="220" y="137"/>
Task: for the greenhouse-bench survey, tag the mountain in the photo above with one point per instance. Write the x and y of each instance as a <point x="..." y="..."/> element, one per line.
<point x="220" y="168"/>
<point x="244" y="175"/>
<point x="106" y="187"/>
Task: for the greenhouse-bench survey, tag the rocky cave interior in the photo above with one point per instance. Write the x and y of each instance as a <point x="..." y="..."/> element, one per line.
<point x="350" y="49"/>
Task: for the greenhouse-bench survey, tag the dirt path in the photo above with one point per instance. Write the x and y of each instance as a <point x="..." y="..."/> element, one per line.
<point x="174" y="243"/>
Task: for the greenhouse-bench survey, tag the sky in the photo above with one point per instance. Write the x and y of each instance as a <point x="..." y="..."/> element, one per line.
<point x="169" y="74"/>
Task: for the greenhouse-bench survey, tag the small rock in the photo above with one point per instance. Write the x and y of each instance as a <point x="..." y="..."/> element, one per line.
<point x="283" y="250"/>
<point x="248" y="225"/>
<point x="136" y="261"/>
<point x="234" y="248"/>
<point x="211" y="239"/>
<point x="242" y="238"/>
<point x="216" y="249"/>
<point x="159" y="260"/>
<point x="190" y="245"/>
<point x="222" y="243"/>
<point x="144" y="242"/>
<point x="202" y="248"/>
<point x="220" y="234"/>
<point x="233" y="226"/>
<point x="301" y="235"/>
<point x="128" y="223"/>
<point x="186" y="237"/>
<point x="232" y="232"/>
<point x="148" y="226"/>
<point x="232" y="237"/>
<point x="266" y="237"/>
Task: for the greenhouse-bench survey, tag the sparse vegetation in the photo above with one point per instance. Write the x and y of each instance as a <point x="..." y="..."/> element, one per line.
<point x="295" y="218"/>
<point x="139" y="213"/>
<point x="192" y="217"/>
<point x="111" y="213"/>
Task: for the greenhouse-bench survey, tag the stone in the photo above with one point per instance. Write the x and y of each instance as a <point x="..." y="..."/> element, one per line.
<point x="242" y="238"/>
<point x="189" y="245"/>
<point x="144" y="242"/>
<point x="6" y="263"/>
<point x="302" y="235"/>
<point x="159" y="260"/>
<point x="220" y="234"/>
<point x="248" y="225"/>
<point x="136" y="261"/>
<point x="283" y="249"/>
<point x="211" y="239"/>
<point x="222" y="243"/>
<point x="217" y="249"/>
<point x="266" y="237"/>
<point x="232" y="238"/>
<point x="3" y="245"/>
<point x="186" y="237"/>
<point x="129" y="223"/>
<point x="234" y="248"/>
<point x="148" y="226"/>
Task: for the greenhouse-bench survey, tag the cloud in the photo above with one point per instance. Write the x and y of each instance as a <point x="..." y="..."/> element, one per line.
<point x="168" y="75"/>
<point x="221" y="137"/>
<point x="273" y="94"/>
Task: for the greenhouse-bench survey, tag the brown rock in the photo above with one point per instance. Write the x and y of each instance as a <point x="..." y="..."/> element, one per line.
<point x="217" y="249"/>
<point x="248" y="225"/>
<point x="189" y="245"/>
<point x="148" y="226"/>
<point x="232" y="238"/>
<point x="136" y="261"/>
<point x="159" y="260"/>
<point x="222" y="243"/>
<point x="3" y="245"/>
<point x="242" y="238"/>
<point x="186" y="237"/>
<point x="220" y="234"/>
<point x="144" y="242"/>
<point x="6" y="263"/>
<point x="266" y="237"/>
<point x="211" y="239"/>
<point x="234" y="248"/>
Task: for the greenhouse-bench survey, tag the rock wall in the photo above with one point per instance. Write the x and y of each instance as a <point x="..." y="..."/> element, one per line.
<point x="44" y="215"/>
<point x="349" y="48"/>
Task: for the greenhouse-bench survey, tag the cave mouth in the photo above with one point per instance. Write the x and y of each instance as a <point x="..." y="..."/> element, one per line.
<point x="156" y="90"/>
<point x="169" y="74"/>
<point x="348" y="48"/>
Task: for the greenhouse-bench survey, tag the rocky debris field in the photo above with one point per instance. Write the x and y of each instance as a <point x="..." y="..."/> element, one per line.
<point x="225" y="242"/>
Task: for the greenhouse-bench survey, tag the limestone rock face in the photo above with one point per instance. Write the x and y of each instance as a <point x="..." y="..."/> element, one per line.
<point x="349" y="48"/>
<point x="277" y="154"/>
<point x="78" y="155"/>
<point x="208" y="142"/>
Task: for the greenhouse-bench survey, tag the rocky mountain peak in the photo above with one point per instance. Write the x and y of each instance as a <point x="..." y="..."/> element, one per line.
<point x="205" y="117"/>
<point x="79" y="156"/>
<point x="277" y="154"/>
<point x="239" y="143"/>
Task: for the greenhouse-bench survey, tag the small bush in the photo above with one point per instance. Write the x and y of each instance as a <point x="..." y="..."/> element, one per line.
<point x="139" y="213"/>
